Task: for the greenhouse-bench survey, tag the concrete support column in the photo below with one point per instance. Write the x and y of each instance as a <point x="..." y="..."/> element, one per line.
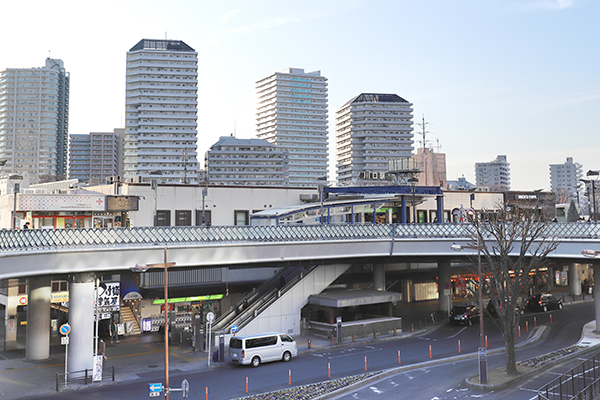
<point x="388" y="216"/>
<point x="403" y="208"/>
<point x="574" y="279"/>
<point x="10" y="318"/>
<point x="37" y="347"/>
<point x="596" y="268"/>
<point x="440" y="209"/>
<point x="81" y="319"/>
<point x="445" y="286"/>
<point x="379" y="277"/>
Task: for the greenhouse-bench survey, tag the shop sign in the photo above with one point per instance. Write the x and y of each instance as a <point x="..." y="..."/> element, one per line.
<point x="22" y="300"/>
<point x="59" y="297"/>
<point x="188" y="299"/>
<point x="122" y="203"/>
<point x="109" y="297"/>
<point x="61" y="202"/>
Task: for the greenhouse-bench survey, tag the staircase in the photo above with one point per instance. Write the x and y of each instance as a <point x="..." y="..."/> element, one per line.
<point x="130" y="319"/>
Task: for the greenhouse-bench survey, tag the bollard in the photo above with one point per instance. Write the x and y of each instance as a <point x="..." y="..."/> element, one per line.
<point x="519" y="329"/>
<point x="246" y="384"/>
<point x="365" y="363"/>
<point x="430" y="352"/>
<point x="550" y="318"/>
<point x="459" y="345"/>
<point x="534" y="321"/>
<point x="526" y="326"/>
<point x="207" y="393"/>
<point x="399" y="357"/>
<point x="332" y="340"/>
<point x="86" y="376"/>
<point x="394" y="331"/>
<point x="412" y="327"/>
<point x="290" y="377"/>
<point x="374" y="334"/>
<point x="309" y="345"/>
<point x="353" y="338"/>
<point x="329" y="370"/>
<point x="57" y="380"/>
<point x="486" y="341"/>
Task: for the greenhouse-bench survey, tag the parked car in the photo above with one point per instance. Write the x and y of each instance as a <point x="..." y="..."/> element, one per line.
<point x="464" y="315"/>
<point x="492" y="310"/>
<point x="543" y="302"/>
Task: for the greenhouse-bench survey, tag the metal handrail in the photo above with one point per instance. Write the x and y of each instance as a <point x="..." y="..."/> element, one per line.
<point x="581" y="382"/>
<point x="44" y="239"/>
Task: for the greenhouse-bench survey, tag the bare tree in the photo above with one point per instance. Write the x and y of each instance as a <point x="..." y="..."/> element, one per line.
<point x="513" y="249"/>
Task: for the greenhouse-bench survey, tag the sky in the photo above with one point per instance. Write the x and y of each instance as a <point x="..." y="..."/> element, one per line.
<point x="519" y="78"/>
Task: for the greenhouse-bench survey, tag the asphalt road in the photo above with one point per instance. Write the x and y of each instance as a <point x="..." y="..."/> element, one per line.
<point x="444" y="381"/>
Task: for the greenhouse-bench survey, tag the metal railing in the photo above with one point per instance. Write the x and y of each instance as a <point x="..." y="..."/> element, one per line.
<point x="40" y="239"/>
<point x="581" y="382"/>
<point x="82" y="377"/>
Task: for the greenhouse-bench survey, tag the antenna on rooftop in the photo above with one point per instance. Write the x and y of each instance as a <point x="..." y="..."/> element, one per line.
<point x="439" y="146"/>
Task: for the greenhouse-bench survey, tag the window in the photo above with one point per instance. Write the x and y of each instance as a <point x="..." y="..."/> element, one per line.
<point x="183" y="218"/>
<point x="60" y="286"/>
<point x="241" y="217"/>
<point x="206" y="220"/>
<point x="163" y="218"/>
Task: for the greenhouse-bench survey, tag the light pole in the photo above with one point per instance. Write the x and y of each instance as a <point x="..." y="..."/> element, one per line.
<point x="413" y="182"/>
<point x="154" y="187"/>
<point x="482" y="349"/>
<point x="165" y="265"/>
<point x="15" y="179"/>
<point x="588" y="174"/>
<point x="322" y="182"/>
<point x="204" y="193"/>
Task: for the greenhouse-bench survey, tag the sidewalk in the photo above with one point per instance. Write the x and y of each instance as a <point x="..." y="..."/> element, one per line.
<point x="141" y="357"/>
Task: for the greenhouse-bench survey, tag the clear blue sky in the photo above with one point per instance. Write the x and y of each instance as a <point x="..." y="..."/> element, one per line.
<point x="513" y="77"/>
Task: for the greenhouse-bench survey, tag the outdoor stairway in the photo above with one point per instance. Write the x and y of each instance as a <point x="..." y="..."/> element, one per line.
<point x="129" y="319"/>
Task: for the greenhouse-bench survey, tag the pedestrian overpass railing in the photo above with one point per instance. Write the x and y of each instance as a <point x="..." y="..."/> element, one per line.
<point x="39" y="239"/>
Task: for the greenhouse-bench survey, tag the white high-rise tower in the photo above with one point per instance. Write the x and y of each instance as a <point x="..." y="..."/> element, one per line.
<point x="161" y="111"/>
<point x="292" y="115"/>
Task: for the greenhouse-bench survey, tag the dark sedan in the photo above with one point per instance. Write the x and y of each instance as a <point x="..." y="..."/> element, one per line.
<point x="464" y="315"/>
<point x="543" y="302"/>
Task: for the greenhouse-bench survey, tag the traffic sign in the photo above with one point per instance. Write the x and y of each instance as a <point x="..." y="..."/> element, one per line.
<point x="64" y="340"/>
<point x="185" y="388"/>
<point x="65" y="329"/>
<point x="235" y="328"/>
<point x="210" y="317"/>
<point x="154" y="389"/>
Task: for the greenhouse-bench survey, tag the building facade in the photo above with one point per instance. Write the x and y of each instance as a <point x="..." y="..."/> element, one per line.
<point x="432" y="166"/>
<point x="372" y="128"/>
<point x="495" y="175"/>
<point x="34" y="120"/>
<point x="292" y="115"/>
<point x="233" y="161"/>
<point x="95" y="157"/>
<point x="564" y="179"/>
<point x="161" y="111"/>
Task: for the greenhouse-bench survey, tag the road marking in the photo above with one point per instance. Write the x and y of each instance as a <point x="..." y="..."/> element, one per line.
<point x="374" y="389"/>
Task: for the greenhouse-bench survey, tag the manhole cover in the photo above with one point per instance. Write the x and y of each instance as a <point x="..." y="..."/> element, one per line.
<point x="152" y="366"/>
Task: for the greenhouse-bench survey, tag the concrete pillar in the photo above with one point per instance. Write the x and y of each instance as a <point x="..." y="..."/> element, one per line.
<point x="37" y="347"/>
<point x="10" y="318"/>
<point x="388" y="216"/>
<point x="574" y="279"/>
<point x="379" y="277"/>
<point x="440" y="209"/>
<point x="403" y="209"/>
<point x="81" y="319"/>
<point x="596" y="268"/>
<point x="445" y="286"/>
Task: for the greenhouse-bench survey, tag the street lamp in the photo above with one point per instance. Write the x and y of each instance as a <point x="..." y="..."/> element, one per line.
<point x="588" y="174"/>
<point x="413" y="182"/>
<point x="204" y="185"/>
<point x="16" y="180"/>
<point x="590" y="253"/>
<point x="482" y="350"/>
<point x="165" y="265"/>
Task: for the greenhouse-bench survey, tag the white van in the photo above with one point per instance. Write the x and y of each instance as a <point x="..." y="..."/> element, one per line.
<point x="256" y="349"/>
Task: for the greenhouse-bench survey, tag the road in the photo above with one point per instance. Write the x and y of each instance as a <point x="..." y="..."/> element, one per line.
<point x="444" y="381"/>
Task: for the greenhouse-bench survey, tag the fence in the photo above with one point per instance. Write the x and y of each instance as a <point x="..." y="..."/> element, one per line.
<point x="581" y="382"/>
<point x="82" y="377"/>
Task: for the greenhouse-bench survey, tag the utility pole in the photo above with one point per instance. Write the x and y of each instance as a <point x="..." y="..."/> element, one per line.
<point x="423" y="133"/>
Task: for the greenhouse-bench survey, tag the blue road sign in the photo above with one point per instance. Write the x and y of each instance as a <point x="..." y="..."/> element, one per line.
<point x="155" y="389"/>
<point x="65" y="329"/>
<point x="234" y="329"/>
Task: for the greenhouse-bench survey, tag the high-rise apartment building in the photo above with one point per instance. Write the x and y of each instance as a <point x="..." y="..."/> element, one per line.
<point x="372" y="128"/>
<point x="432" y="166"/>
<point x="494" y="175"/>
<point x="34" y="120"/>
<point x="95" y="157"/>
<point x="292" y="115"/>
<point x="564" y="178"/>
<point x="234" y="161"/>
<point x="161" y="111"/>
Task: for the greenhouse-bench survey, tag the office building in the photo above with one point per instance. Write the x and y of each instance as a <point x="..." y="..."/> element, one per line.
<point x="292" y="115"/>
<point x="564" y="179"/>
<point x="95" y="157"/>
<point x="34" y="120"/>
<point x="233" y="161"/>
<point x="495" y="175"/>
<point x="372" y="128"/>
<point x="432" y="166"/>
<point x="161" y="111"/>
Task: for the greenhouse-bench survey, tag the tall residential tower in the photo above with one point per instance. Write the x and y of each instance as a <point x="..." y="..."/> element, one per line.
<point x="161" y="111"/>
<point x="372" y="128"/>
<point x="34" y="120"/>
<point x="494" y="174"/>
<point x="292" y="115"/>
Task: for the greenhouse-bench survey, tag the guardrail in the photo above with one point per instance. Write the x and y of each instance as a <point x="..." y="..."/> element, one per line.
<point x="39" y="239"/>
<point x="83" y="376"/>
<point x="581" y="382"/>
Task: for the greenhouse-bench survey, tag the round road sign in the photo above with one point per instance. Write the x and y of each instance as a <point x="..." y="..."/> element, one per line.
<point x="65" y="329"/>
<point x="210" y="317"/>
